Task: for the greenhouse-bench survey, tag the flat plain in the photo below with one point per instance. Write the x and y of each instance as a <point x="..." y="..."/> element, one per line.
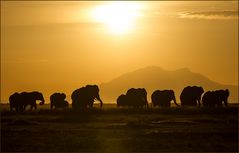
<point x="111" y="129"/>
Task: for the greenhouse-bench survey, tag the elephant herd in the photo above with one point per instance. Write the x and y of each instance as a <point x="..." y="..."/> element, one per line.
<point x="20" y="101"/>
<point x="81" y="98"/>
<point x="84" y="97"/>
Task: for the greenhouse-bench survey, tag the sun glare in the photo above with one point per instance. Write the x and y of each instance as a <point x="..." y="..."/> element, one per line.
<point x="119" y="17"/>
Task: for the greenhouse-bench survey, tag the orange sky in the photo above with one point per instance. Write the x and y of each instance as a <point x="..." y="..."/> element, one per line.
<point x="59" y="46"/>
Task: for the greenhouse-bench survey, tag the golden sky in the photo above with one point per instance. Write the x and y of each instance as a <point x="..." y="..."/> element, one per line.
<point x="60" y="46"/>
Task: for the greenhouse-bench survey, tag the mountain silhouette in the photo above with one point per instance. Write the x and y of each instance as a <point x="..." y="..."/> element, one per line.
<point x="153" y="78"/>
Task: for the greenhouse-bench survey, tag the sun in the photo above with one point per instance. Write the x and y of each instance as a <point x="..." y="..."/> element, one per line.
<point x="119" y="17"/>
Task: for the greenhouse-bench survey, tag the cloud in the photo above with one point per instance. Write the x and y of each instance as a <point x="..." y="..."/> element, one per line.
<point x="210" y="15"/>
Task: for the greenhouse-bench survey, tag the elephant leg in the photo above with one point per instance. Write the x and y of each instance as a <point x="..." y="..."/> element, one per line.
<point x="199" y="104"/>
<point x="219" y="104"/>
<point x="20" y="108"/>
<point x="51" y="107"/>
<point x="225" y="103"/>
<point x="90" y="106"/>
<point x="168" y="104"/>
<point x="33" y="106"/>
<point x="24" y="107"/>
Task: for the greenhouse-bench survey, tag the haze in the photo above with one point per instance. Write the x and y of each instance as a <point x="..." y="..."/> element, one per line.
<point x="60" y="46"/>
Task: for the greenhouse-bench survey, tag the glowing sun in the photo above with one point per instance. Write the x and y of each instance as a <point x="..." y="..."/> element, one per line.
<point x="119" y="17"/>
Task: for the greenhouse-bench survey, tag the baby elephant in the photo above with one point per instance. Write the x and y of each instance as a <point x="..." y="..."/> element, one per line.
<point x="58" y="101"/>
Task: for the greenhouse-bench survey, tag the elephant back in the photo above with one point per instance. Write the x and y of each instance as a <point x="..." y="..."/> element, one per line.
<point x="57" y="97"/>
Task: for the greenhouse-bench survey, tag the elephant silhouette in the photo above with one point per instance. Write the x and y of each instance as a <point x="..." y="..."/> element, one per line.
<point x="215" y="98"/>
<point x="162" y="98"/>
<point x="122" y="101"/>
<point x="191" y="95"/>
<point x="137" y="97"/>
<point x="15" y="101"/>
<point x="58" y="101"/>
<point x="20" y="101"/>
<point x="133" y="98"/>
<point x="85" y="96"/>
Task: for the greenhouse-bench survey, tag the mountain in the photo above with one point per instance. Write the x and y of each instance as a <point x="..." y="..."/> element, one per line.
<point x="153" y="78"/>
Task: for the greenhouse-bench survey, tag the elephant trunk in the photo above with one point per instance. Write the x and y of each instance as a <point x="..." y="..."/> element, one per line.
<point x="199" y="101"/>
<point x="146" y="103"/>
<point x="175" y="102"/>
<point x="101" y="102"/>
<point x="42" y="102"/>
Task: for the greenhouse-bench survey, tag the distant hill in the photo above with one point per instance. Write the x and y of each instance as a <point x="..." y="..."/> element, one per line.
<point x="153" y="78"/>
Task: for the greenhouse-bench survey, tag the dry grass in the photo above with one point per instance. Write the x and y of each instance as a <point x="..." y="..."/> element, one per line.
<point x="121" y="130"/>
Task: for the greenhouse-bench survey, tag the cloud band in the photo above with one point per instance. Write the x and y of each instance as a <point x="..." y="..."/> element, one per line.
<point x="210" y="15"/>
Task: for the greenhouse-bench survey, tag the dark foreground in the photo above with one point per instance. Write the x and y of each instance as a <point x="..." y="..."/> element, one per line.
<point x="121" y="130"/>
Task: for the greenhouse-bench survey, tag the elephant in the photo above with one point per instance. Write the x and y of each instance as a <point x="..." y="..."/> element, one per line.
<point x="15" y="101"/>
<point x="191" y="95"/>
<point x="122" y="101"/>
<point x="133" y="98"/>
<point x="215" y="98"/>
<point x="30" y="98"/>
<point x="58" y="101"/>
<point x="85" y="96"/>
<point x="20" y="101"/>
<point x="163" y="98"/>
<point x="137" y="97"/>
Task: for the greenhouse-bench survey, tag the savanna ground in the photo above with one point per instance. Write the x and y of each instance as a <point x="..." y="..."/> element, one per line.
<point x="120" y="130"/>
